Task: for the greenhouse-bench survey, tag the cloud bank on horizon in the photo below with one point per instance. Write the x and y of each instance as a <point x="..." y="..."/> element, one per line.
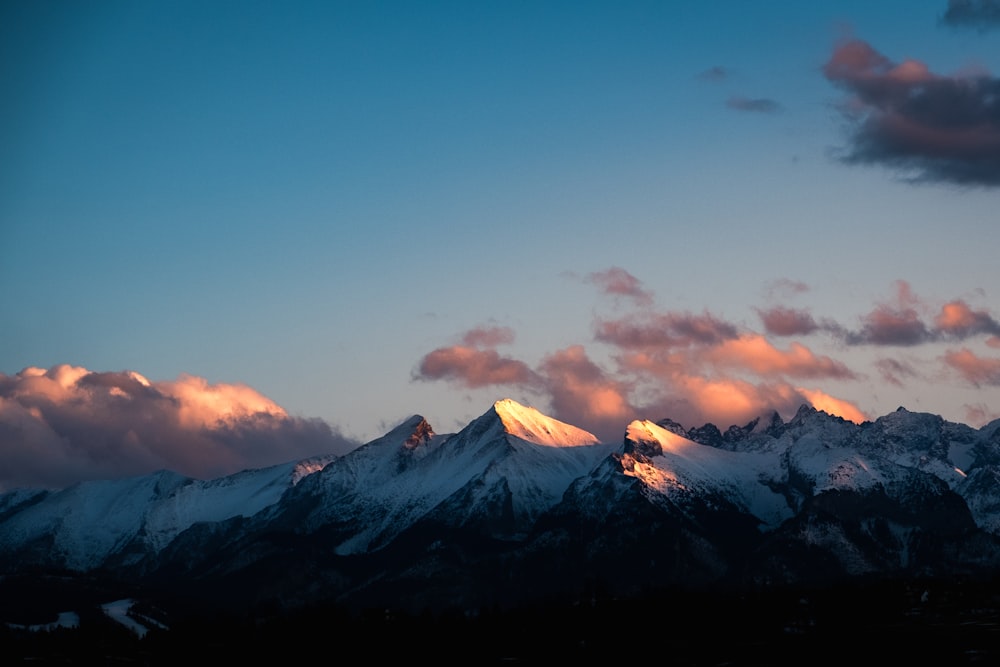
<point x="697" y="368"/>
<point x="68" y="424"/>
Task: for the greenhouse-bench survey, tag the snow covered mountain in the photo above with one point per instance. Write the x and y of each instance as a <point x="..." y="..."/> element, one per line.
<point x="518" y="505"/>
<point x="120" y="522"/>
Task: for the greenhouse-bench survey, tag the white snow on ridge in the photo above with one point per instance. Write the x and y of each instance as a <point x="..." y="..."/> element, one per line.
<point x="90" y="521"/>
<point x="685" y="465"/>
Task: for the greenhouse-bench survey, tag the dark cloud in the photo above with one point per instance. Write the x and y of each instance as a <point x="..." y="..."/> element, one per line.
<point x="68" y="424"/>
<point x="899" y="322"/>
<point x="665" y="330"/>
<point x="619" y="282"/>
<point x="758" y="105"/>
<point x="782" y="321"/>
<point x="926" y="126"/>
<point x="982" y="14"/>
<point x="891" y="326"/>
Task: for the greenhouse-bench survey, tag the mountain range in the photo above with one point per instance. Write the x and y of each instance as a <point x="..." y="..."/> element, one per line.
<point x="517" y="508"/>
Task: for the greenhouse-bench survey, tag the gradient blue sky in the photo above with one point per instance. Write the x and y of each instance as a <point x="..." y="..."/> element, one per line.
<point x="311" y="198"/>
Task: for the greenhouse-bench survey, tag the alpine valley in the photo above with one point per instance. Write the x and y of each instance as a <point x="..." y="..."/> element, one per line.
<point x="518" y="511"/>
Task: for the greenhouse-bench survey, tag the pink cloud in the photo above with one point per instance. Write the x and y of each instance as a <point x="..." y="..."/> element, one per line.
<point x="959" y="320"/>
<point x="975" y="369"/>
<point x="66" y="424"/>
<point x="782" y="321"/>
<point x="473" y="368"/>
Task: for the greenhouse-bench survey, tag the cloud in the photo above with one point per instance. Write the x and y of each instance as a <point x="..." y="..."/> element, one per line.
<point x="834" y="406"/>
<point x="755" y="353"/>
<point x="976" y="370"/>
<point x="582" y="392"/>
<point x="958" y="320"/>
<point x="781" y="321"/>
<point x="983" y="14"/>
<point x="473" y="368"/>
<point x="899" y="322"/>
<point x="926" y="126"/>
<point x="714" y="74"/>
<point x="979" y="414"/>
<point x="896" y="323"/>
<point x="67" y="424"/>
<point x="619" y="282"/>
<point x="488" y="336"/>
<point x="664" y="330"/>
<point x="785" y="287"/>
<point x="757" y="105"/>
<point x="894" y="371"/>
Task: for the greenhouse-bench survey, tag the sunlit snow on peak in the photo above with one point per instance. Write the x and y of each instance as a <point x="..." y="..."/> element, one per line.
<point x="529" y="424"/>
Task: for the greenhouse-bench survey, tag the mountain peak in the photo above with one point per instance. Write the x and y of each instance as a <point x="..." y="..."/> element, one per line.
<point x="527" y="423"/>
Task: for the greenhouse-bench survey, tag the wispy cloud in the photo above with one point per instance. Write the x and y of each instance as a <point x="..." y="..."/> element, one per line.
<point x="488" y="336"/>
<point x="756" y="104"/>
<point x="895" y="372"/>
<point x="926" y="126"/>
<point x="714" y="74"/>
<point x="67" y="424"/>
<point x="619" y="282"/>
<point x="784" y="288"/>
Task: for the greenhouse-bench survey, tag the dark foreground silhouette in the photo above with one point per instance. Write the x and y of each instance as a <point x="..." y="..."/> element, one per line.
<point x="956" y="623"/>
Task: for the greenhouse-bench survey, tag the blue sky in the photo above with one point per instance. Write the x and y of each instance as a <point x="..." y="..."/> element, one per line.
<point x="368" y="210"/>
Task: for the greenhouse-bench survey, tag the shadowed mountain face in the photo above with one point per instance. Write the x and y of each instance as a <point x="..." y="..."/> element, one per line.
<point x="518" y="507"/>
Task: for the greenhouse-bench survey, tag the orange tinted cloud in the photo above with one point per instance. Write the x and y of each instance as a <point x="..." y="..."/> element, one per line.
<point x="959" y="320"/>
<point x="583" y="393"/>
<point x="834" y="406"/>
<point x="755" y="353"/>
<point x="975" y="369"/>
<point x="472" y="368"/>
